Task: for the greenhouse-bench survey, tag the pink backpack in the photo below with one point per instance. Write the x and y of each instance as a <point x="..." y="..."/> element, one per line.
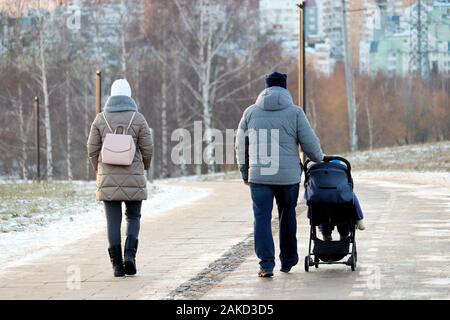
<point x="118" y="149"/>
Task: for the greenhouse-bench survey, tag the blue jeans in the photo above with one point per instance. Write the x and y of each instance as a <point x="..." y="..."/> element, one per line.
<point x="113" y="211"/>
<point x="286" y="197"/>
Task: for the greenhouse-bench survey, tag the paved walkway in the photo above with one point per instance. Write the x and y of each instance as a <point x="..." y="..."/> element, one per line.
<point x="173" y="248"/>
<point x="404" y="253"/>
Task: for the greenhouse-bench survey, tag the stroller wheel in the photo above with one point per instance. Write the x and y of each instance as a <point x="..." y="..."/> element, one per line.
<point x="353" y="262"/>
<point x="354" y="257"/>
<point x="316" y="262"/>
<point x="307" y="263"/>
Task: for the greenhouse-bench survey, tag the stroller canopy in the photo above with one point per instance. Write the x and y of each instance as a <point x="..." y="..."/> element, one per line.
<point x="328" y="183"/>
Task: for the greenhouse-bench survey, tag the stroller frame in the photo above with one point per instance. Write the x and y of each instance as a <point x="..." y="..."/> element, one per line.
<point x="331" y="252"/>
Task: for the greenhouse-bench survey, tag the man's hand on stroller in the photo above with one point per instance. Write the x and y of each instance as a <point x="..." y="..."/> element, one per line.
<point x="243" y="168"/>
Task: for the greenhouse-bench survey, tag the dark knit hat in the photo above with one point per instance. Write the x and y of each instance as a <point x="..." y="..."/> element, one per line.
<point x="276" y="80"/>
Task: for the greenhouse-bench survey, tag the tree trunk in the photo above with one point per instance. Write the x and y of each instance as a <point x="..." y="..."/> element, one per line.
<point x="22" y="133"/>
<point x="250" y="68"/>
<point x="207" y="122"/>
<point x="123" y="56"/>
<point x="45" y="92"/>
<point x="352" y="120"/>
<point x="68" y="129"/>
<point x="97" y="19"/>
<point x="136" y="81"/>
<point x="313" y="114"/>
<point x="151" y="171"/>
<point x="206" y="61"/>
<point x="86" y="128"/>
<point x="179" y="110"/>
<point x="164" y="130"/>
<point x="369" y="123"/>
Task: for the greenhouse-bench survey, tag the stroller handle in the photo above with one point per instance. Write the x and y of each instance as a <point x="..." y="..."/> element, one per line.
<point x="329" y="159"/>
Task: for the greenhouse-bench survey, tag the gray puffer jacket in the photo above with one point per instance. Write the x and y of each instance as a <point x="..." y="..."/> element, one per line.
<point x="268" y="138"/>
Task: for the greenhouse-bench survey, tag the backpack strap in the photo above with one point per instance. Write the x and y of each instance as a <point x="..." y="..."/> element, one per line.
<point x="107" y="123"/>
<point x="109" y="126"/>
<point x="131" y="122"/>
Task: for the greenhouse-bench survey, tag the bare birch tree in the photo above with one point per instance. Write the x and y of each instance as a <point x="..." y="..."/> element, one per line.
<point x="68" y="127"/>
<point x="351" y="103"/>
<point x="42" y="79"/>
<point x="209" y="28"/>
<point x="122" y="30"/>
<point x="17" y="104"/>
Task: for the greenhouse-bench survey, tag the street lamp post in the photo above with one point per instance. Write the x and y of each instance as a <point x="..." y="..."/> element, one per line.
<point x="98" y="91"/>
<point x="301" y="62"/>
<point x="301" y="56"/>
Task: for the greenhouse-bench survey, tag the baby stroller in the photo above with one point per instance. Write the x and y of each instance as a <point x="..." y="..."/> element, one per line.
<point x="330" y="201"/>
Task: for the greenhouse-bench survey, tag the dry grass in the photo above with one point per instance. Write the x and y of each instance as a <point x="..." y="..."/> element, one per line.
<point x="425" y="157"/>
<point x="21" y="200"/>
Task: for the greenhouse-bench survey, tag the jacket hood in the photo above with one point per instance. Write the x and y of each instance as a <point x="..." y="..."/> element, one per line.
<point x="120" y="103"/>
<point x="274" y="98"/>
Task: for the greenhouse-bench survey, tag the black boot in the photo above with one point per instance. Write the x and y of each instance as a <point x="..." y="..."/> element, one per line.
<point x="131" y="246"/>
<point x="115" y="253"/>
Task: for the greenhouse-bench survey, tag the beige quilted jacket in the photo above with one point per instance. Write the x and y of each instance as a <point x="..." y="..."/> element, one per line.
<point x="121" y="183"/>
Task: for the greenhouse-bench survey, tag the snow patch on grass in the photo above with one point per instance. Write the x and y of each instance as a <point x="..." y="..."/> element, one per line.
<point x="75" y="222"/>
<point x="424" y="157"/>
<point x="27" y="205"/>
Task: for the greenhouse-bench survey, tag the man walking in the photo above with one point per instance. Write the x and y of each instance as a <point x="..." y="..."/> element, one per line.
<point x="268" y="138"/>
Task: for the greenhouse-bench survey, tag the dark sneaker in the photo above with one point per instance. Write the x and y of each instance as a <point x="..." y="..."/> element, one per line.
<point x="265" y="274"/>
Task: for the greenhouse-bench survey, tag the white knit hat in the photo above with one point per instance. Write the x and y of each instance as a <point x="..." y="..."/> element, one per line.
<point x="121" y="87"/>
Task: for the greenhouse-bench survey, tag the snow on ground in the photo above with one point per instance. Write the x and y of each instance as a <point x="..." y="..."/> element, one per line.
<point x="434" y="187"/>
<point x="29" y="206"/>
<point x="423" y="157"/>
<point x="427" y="185"/>
<point x="433" y="178"/>
<point x="35" y="241"/>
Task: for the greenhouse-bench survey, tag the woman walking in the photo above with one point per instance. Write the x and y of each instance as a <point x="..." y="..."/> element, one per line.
<point x="121" y="183"/>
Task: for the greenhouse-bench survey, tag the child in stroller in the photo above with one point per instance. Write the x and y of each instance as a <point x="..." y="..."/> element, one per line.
<point x="343" y="229"/>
